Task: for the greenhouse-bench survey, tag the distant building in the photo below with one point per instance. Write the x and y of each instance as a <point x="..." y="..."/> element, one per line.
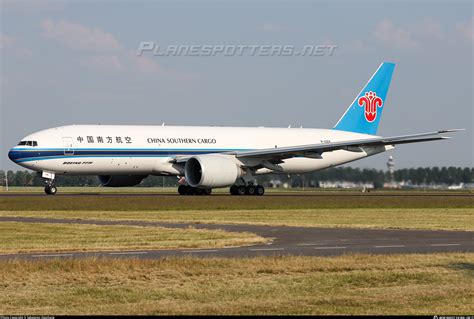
<point x="345" y="184"/>
<point x="391" y="169"/>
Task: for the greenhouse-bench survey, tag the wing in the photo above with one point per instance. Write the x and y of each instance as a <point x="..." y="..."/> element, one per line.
<point x="313" y="150"/>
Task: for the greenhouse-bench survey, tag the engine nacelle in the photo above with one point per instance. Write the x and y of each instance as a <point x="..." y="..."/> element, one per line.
<point x="211" y="171"/>
<point x="120" y="180"/>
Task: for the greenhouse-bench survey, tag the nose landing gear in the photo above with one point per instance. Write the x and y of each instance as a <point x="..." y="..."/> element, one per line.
<point x="50" y="188"/>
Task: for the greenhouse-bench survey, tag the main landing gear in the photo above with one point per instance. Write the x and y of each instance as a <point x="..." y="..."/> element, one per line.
<point x="189" y="190"/>
<point x="247" y="190"/>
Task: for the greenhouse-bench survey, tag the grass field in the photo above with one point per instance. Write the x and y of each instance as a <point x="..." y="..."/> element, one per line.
<point x="277" y="201"/>
<point x="350" y="284"/>
<point x="173" y="190"/>
<point x="28" y="237"/>
<point x="393" y="209"/>
<point x="385" y="218"/>
<point x="354" y="284"/>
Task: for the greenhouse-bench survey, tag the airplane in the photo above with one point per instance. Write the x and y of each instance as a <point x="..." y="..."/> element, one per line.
<point x="210" y="157"/>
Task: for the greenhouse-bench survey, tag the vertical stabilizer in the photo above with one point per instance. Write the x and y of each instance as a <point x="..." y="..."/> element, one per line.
<point x="363" y="115"/>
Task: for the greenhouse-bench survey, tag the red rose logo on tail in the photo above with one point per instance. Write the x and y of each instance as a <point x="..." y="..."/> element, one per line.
<point x="370" y="101"/>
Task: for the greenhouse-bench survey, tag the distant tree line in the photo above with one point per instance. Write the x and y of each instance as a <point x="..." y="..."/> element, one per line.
<point x="417" y="176"/>
<point x="28" y="178"/>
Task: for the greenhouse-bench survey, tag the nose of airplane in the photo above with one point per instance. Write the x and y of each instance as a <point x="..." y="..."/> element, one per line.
<point x="13" y="155"/>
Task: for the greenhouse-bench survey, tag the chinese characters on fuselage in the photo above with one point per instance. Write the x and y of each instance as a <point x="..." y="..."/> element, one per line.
<point x="107" y="139"/>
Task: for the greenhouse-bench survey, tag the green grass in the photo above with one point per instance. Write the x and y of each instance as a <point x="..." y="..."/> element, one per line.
<point x="350" y="284"/>
<point x="394" y="218"/>
<point x="353" y="284"/>
<point x="147" y="202"/>
<point x="33" y="237"/>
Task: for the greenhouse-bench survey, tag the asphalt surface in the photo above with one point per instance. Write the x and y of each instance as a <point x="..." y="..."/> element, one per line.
<point x="296" y="241"/>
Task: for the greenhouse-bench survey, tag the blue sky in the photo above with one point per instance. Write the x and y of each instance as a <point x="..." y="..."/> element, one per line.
<point x="75" y="62"/>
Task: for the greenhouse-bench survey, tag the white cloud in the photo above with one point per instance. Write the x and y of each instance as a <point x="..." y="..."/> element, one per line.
<point x="394" y="36"/>
<point x="108" y="63"/>
<point x="143" y="64"/>
<point x="359" y="46"/>
<point x="77" y="36"/>
<point x="15" y="46"/>
<point x="123" y="62"/>
<point x="423" y="32"/>
<point x="428" y="28"/>
<point x="466" y="30"/>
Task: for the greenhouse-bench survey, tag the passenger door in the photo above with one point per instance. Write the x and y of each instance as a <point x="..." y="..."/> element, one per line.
<point x="68" y="146"/>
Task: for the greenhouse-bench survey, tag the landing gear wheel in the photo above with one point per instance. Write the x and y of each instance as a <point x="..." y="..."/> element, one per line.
<point x="241" y="190"/>
<point x="190" y="190"/>
<point x="50" y="190"/>
<point x="250" y="190"/>
<point x="259" y="190"/>
<point x="233" y="190"/>
<point x="200" y="191"/>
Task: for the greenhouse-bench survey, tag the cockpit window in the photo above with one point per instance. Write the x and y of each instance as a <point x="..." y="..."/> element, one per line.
<point x="28" y="143"/>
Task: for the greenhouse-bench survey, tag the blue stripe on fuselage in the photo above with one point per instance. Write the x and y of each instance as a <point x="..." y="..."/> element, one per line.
<point x="27" y="155"/>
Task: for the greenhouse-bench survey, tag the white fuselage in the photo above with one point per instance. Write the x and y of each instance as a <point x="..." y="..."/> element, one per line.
<point x="148" y="150"/>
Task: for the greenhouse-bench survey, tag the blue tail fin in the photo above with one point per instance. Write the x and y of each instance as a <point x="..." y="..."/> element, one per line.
<point x="364" y="114"/>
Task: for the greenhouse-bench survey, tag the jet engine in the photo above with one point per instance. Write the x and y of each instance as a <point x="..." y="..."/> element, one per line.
<point x="120" y="180"/>
<point x="211" y="171"/>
